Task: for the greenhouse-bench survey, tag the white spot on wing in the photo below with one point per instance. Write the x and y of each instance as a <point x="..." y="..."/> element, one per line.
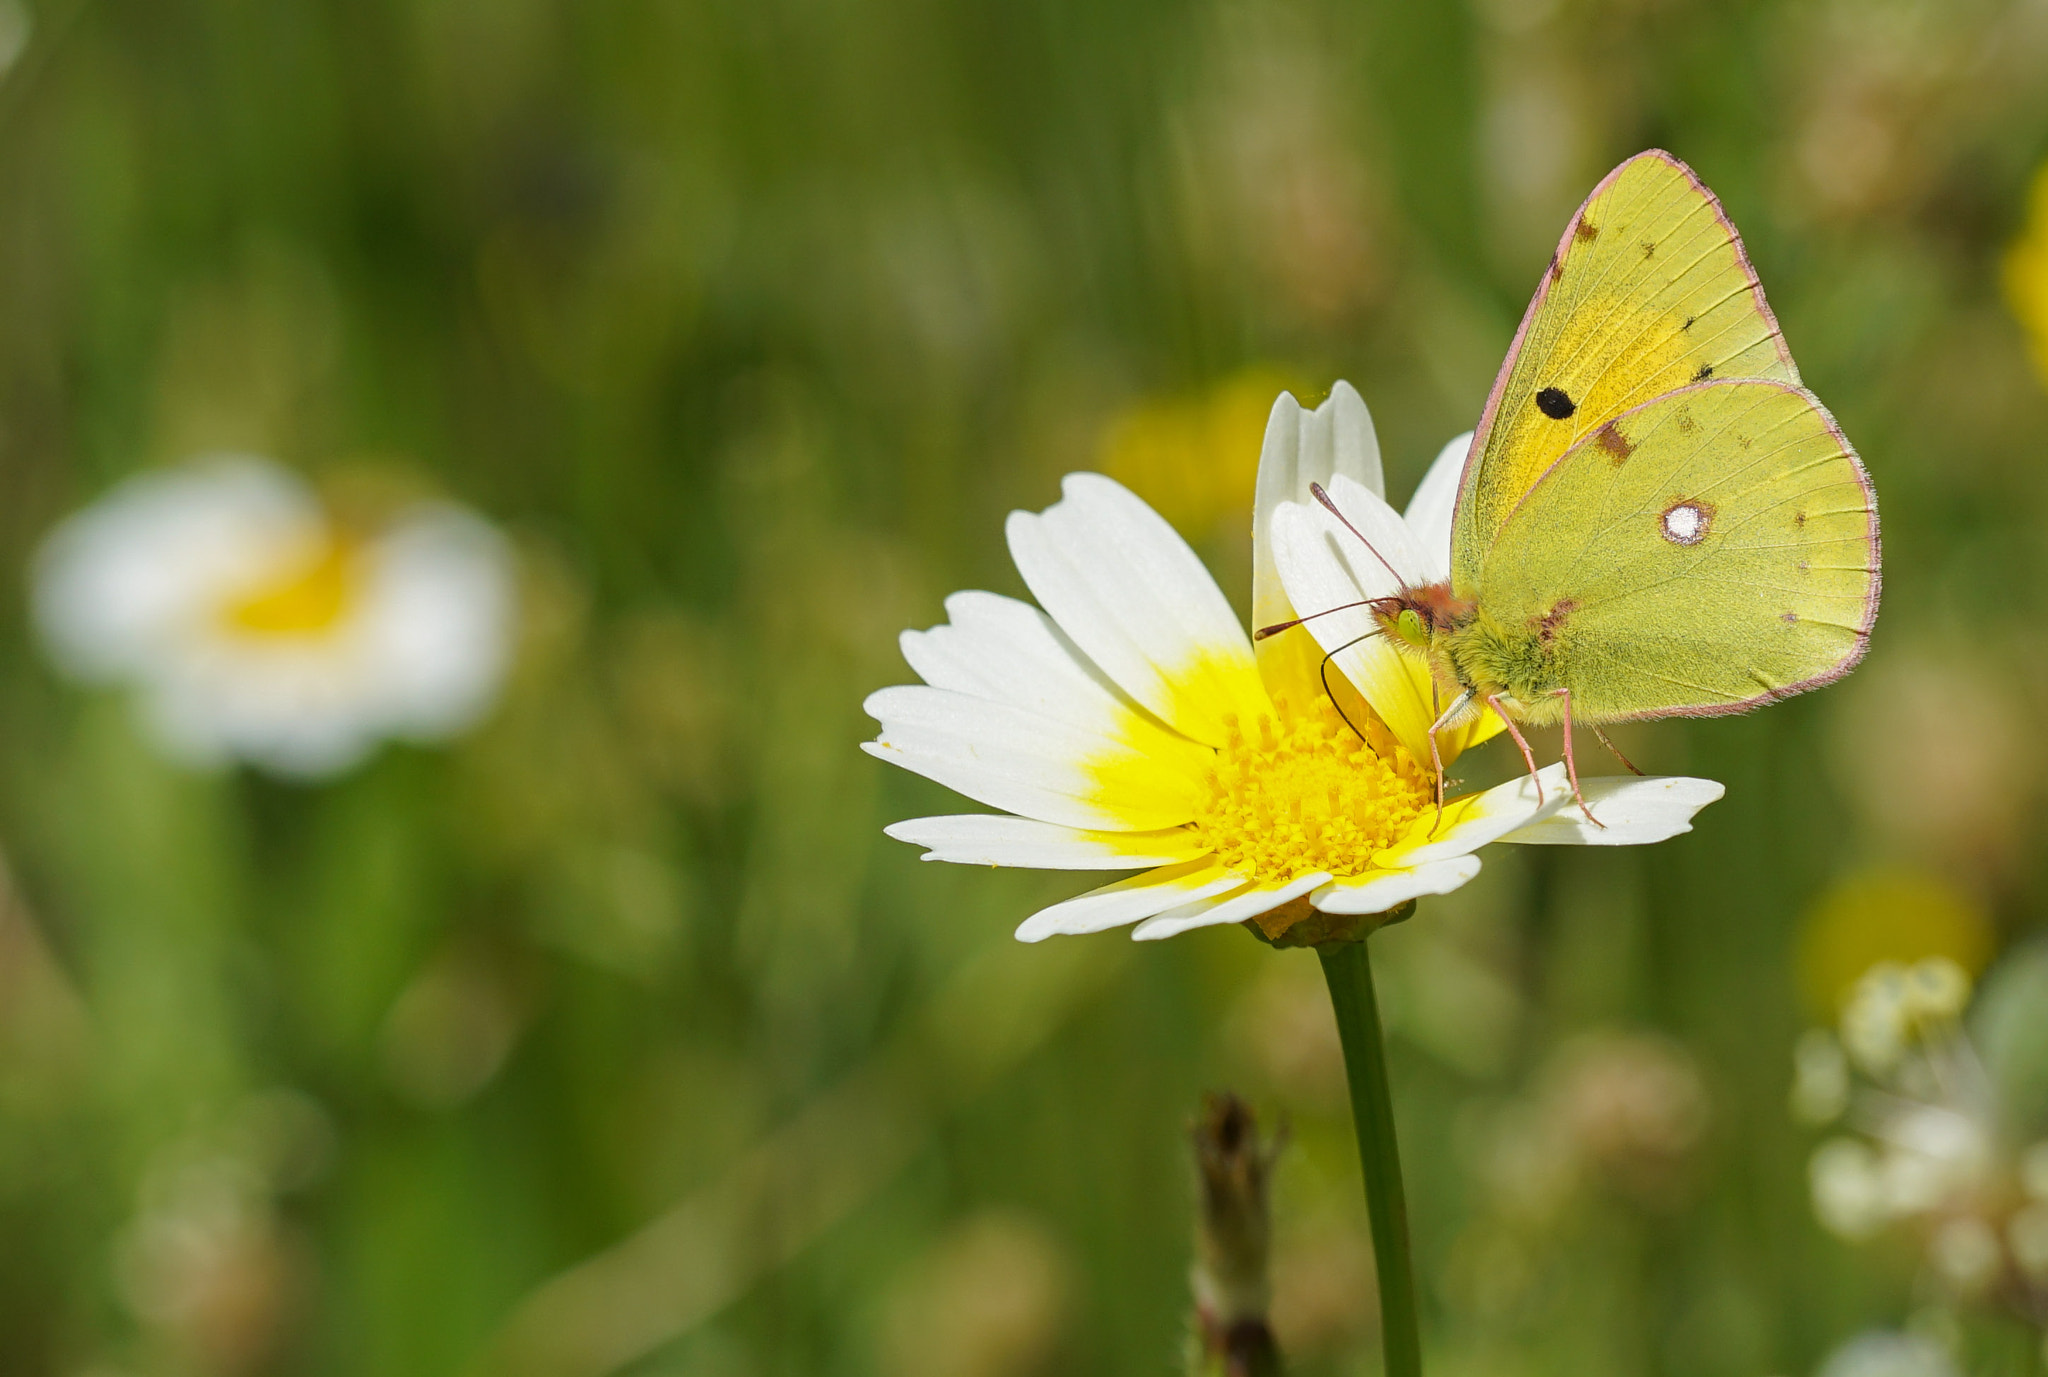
<point x="1685" y="523"/>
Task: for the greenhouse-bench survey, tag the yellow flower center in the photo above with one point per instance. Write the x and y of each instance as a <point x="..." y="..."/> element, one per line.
<point x="311" y="596"/>
<point x="1300" y="792"/>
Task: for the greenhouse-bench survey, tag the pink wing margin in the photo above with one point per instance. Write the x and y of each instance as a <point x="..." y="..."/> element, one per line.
<point x="1870" y="599"/>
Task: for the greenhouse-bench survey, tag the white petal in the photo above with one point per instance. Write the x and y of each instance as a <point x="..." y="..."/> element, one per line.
<point x="1435" y="504"/>
<point x="1383" y="890"/>
<point x="302" y="713"/>
<point x="1370" y="526"/>
<point x="1631" y="811"/>
<point x="1338" y="441"/>
<point x="1008" y="651"/>
<point x="996" y="839"/>
<point x="118" y="582"/>
<point x="1035" y="766"/>
<point x="1473" y="822"/>
<point x="1123" y="584"/>
<point x="437" y="622"/>
<point x="1127" y="901"/>
<point x="1304" y="447"/>
<point x="1233" y="908"/>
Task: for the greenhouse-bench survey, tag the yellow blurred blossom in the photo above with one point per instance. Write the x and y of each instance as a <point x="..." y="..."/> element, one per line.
<point x="1886" y="915"/>
<point x="2026" y="271"/>
<point x="1193" y="457"/>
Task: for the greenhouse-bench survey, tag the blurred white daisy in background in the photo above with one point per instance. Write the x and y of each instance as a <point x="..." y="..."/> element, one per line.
<point x="254" y="627"/>
<point x="1131" y="725"/>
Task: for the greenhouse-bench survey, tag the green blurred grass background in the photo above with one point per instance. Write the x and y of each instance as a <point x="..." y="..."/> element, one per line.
<point x="616" y="1038"/>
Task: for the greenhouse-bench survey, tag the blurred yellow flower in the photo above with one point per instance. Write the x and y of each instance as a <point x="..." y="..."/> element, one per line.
<point x="1890" y="914"/>
<point x="1192" y="457"/>
<point x="2026" y="271"/>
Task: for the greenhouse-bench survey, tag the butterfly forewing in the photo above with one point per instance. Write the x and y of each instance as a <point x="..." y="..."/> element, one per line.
<point x="1706" y="552"/>
<point x="1649" y="291"/>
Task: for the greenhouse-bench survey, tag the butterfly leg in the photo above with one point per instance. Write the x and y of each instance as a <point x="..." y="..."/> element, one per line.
<point x="1528" y="756"/>
<point x="1571" y="766"/>
<point x="1436" y="765"/>
<point x="1615" y="751"/>
<point x="1436" y="755"/>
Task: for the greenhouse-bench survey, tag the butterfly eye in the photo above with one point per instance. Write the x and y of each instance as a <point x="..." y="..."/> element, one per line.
<point x="1553" y="402"/>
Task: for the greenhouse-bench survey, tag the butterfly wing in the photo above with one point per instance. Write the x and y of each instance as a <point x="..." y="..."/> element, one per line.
<point x="1649" y="290"/>
<point x="1707" y="552"/>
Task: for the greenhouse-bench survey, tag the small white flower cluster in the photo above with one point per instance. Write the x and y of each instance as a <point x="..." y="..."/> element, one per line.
<point x="1889" y="1353"/>
<point x="1927" y="1145"/>
<point x="1895" y="1004"/>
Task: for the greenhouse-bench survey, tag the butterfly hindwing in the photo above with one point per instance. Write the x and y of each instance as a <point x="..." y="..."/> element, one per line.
<point x="1649" y="290"/>
<point x="1705" y="552"/>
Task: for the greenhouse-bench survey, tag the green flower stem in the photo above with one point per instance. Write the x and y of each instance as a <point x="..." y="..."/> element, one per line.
<point x="1349" y="970"/>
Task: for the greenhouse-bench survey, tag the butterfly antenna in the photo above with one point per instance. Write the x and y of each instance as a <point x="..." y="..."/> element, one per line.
<point x="1331" y="508"/>
<point x="1323" y="673"/>
<point x="1278" y="627"/>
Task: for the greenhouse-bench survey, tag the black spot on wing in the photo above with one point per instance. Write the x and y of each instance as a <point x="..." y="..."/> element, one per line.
<point x="1554" y="403"/>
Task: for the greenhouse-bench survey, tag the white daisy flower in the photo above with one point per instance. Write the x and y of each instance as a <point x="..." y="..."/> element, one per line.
<point x="252" y="628"/>
<point x="1130" y="725"/>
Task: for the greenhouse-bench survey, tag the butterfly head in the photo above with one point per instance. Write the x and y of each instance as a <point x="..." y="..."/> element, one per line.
<point x="1420" y="614"/>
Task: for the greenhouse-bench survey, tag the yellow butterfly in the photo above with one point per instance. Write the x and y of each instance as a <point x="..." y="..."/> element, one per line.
<point x="1655" y="519"/>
